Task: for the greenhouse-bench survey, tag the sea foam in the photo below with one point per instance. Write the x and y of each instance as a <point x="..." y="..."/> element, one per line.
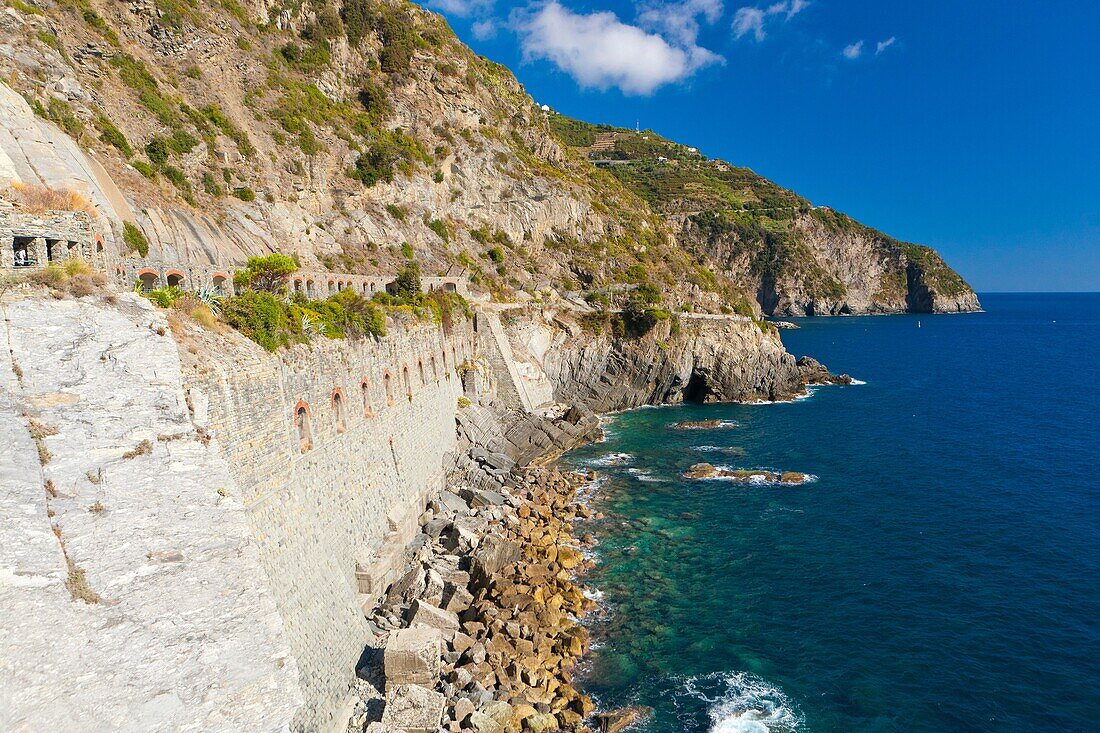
<point x="742" y="703"/>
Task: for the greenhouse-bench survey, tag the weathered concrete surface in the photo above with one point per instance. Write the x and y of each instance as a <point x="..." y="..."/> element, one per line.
<point x="185" y="635"/>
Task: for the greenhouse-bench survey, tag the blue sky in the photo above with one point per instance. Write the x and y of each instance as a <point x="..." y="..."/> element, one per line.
<point x="971" y="126"/>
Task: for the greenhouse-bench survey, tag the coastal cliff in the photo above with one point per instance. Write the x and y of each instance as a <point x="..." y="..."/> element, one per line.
<point x="356" y="140"/>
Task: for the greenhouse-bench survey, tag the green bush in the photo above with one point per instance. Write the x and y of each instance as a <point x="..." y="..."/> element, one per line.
<point x="164" y="297"/>
<point x="440" y="228"/>
<point x="135" y="238"/>
<point x="210" y="184"/>
<point x="145" y="169"/>
<point x="496" y="254"/>
<point x="407" y="284"/>
<point x="397" y="212"/>
<point x="111" y="135"/>
<point x="261" y="317"/>
<point x="267" y="273"/>
<point x="407" y="250"/>
<point x="182" y="142"/>
<point x="157" y="150"/>
<point x="244" y="193"/>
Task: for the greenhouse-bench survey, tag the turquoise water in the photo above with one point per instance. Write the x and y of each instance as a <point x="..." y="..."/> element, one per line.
<point x="941" y="574"/>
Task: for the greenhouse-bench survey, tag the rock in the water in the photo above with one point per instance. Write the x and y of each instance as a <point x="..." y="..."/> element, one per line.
<point x="697" y="424"/>
<point x="616" y="720"/>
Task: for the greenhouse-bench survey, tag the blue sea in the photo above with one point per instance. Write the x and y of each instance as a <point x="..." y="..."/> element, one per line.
<point x="942" y="573"/>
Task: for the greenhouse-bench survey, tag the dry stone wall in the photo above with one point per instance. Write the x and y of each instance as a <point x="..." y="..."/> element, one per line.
<point x="335" y="447"/>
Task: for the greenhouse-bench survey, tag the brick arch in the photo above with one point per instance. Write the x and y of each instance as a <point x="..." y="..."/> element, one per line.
<point x="169" y="274"/>
<point x="337" y="402"/>
<point x="148" y="277"/>
<point x="387" y="382"/>
<point x="364" y="389"/>
<point x="302" y="418"/>
<point x="420" y="371"/>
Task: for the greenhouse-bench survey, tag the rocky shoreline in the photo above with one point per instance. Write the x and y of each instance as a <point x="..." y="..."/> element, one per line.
<point x="482" y="632"/>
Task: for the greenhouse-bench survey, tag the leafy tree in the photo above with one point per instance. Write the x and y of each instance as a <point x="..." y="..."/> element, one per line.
<point x="407" y="283"/>
<point x="267" y="274"/>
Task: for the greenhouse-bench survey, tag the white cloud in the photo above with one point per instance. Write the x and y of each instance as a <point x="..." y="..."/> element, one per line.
<point x="883" y="45"/>
<point x="749" y="20"/>
<point x="853" y="51"/>
<point x="461" y="8"/>
<point x="600" y="51"/>
<point x="484" y="29"/>
<point x="679" y="20"/>
<point x="753" y="19"/>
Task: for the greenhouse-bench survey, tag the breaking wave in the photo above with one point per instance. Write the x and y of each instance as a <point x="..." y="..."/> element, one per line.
<point x="742" y="703"/>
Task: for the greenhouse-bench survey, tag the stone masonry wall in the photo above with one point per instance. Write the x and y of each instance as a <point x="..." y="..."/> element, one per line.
<point x="321" y="496"/>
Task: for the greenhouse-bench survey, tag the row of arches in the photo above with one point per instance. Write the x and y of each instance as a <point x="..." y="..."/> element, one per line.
<point x="394" y="387"/>
<point x="313" y="288"/>
<point x="151" y="279"/>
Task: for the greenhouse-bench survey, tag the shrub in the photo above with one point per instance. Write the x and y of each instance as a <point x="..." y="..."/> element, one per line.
<point x="145" y="169"/>
<point x="266" y="273"/>
<point x="182" y="142"/>
<point x="438" y="177"/>
<point x="210" y="184"/>
<point x="157" y="150"/>
<point x="440" y="228"/>
<point x="111" y="135"/>
<point x="397" y="212"/>
<point x="407" y="250"/>
<point x="496" y="254"/>
<point x="260" y="316"/>
<point x="407" y="284"/>
<point x="135" y="238"/>
<point x="244" y="193"/>
<point x="164" y="297"/>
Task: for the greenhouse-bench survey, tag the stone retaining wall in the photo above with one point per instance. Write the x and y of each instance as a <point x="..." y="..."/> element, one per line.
<point x="335" y="447"/>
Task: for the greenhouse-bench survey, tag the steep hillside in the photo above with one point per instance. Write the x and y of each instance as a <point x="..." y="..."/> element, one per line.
<point x="363" y="134"/>
<point x="795" y="257"/>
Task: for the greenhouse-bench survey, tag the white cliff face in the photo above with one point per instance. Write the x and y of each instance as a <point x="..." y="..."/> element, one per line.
<point x="131" y="591"/>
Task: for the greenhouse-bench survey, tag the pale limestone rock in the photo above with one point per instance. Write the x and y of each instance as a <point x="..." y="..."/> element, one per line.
<point x="412" y="656"/>
<point x="428" y="615"/>
<point x="413" y="709"/>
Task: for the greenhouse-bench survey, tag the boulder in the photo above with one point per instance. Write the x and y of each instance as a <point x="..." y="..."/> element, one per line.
<point x="616" y="720"/>
<point x="425" y="614"/>
<point x="413" y="709"/>
<point x="540" y="722"/>
<point x="412" y="656"/>
<point x="494" y="554"/>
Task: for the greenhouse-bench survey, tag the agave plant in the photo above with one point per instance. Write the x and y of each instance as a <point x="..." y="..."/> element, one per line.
<point x="211" y="297"/>
<point x="311" y="327"/>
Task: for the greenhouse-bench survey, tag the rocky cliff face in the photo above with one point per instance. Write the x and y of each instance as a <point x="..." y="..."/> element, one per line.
<point x="703" y="359"/>
<point x="360" y="134"/>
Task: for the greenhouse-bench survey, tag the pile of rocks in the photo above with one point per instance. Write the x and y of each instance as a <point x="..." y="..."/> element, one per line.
<point x="482" y="632"/>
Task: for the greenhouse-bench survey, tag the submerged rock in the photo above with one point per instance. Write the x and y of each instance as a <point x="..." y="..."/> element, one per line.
<point x="697" y="424"/>
<point x="708" y="471"/>
<point x="617" y="720"/>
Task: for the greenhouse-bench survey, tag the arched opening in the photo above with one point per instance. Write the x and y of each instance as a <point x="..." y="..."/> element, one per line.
<point x="98" y="245"/>
<point x="364" y="388"/>
<point x="309" y="289"/>
<point x="221" y="284"/>
<point x="338" y="410"/>
<point x="174" y="279"/>
<point x="53" y="249"/>
<point x="302" y="426"/>
<point x="372" y="287"/>
<point x="149" y="279"/>
<point x="420" y="368"/>
<point x="450" y="287"/>
<point x="406" y="382"/>
<point x="331" y="287"/>
<point x="435" y="370"/>
<point x="387" y="382"/>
